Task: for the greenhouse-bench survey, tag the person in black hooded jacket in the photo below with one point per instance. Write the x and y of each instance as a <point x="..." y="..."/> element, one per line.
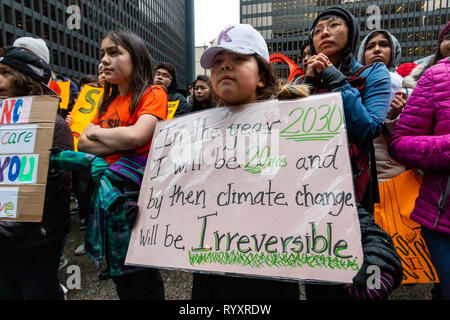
<point x="165" y="76"/>
<point x="334" y="39"/>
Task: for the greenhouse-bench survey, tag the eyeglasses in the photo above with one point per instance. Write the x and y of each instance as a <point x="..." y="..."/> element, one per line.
<point x="333" y="27"/>
<point x="163" y="74"/>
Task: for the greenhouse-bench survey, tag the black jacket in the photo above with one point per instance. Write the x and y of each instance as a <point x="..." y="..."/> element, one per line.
<point x="183" y="106"/>
<point x="378" y="247"/>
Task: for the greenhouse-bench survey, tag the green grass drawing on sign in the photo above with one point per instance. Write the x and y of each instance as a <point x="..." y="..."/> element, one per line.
<point x="271" y="260"/>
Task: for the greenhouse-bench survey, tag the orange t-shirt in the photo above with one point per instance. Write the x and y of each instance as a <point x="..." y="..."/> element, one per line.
<point x="153" y="101"/>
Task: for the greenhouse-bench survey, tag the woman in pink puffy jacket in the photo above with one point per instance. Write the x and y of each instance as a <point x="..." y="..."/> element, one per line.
<point x="421" y="139"/>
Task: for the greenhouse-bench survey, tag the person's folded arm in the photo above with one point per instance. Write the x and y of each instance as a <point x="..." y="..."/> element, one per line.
<point x="125" y="138"/>
<point x="94" y="147"/>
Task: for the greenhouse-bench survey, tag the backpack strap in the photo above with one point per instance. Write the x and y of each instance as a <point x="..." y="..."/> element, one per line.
<point x="360" y="70"/>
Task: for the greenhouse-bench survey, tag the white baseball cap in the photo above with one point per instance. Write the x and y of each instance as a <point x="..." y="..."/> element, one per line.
<point x="239" y="38"/>
<point x="35" y="45"/>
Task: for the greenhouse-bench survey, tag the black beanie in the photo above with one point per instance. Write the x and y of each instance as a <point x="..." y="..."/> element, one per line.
<point x="28" y="63"/>
<point x="350" y="20"/>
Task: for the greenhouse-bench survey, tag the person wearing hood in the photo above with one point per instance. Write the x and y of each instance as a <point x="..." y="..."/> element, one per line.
<point x="165" y="76"/>
<point x="334" y="39"/>
<point x="382" y="46"/>
<point x="365" y="91"/>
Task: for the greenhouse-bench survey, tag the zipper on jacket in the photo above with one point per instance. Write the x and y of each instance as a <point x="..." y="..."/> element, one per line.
<point x="442" y="200"/>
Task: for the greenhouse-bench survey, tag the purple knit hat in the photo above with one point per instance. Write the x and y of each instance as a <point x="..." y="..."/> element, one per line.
<point x="443" y="32"/>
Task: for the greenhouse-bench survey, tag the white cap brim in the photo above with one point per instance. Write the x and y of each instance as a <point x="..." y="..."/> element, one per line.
<point x="207" y="58"/>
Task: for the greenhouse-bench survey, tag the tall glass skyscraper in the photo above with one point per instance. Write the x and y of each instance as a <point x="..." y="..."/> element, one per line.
<point x="73" y="30"/>
<point x="285" y="24"/>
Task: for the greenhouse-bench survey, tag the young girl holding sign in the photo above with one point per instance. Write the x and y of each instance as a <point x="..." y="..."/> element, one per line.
<point x="30" y="252"/>
<point x="123" y="128"/>
<point x="241" y="74"/>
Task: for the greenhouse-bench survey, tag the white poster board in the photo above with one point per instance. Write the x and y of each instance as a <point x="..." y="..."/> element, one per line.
<point x="262" y="190"/>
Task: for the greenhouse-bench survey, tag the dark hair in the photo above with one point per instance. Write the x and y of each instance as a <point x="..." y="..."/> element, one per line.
<point x="347" y="55"/>
<point x="303" y="47"/>
<point x="212" y="100"/>
<point x="23" y="85"/>
<point x="89" y="78"/>
<point x="435" y="59"/>
<point x="172" y="71"/>
<point x="269" y="78"/>
<point x="142" y="74"/>
<point x="377" y="33"/>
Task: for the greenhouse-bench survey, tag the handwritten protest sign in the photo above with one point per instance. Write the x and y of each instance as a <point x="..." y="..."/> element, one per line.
<point x="26" y="136"/>
<point x="62" y="88"/>
<point x="84" y="110"/>
<point x="393" y="215"/>
<point x="263" y="190"/>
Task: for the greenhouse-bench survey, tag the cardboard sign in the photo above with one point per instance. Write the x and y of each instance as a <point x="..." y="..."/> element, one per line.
<point x="26" y="136"/>
<point x="393" y="215"/>
<point x="84" y="110"/>
<point x="173" y="106"/>
<point x="62" y="88"/>
<point x="263" y="190"/>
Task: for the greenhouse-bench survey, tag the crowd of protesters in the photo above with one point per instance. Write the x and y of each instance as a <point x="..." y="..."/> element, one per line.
<point x="397" y="118"/>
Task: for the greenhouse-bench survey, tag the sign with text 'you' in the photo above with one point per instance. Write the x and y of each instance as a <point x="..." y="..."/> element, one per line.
<point x="26" y="136"/>
<point x="263" y="190"/>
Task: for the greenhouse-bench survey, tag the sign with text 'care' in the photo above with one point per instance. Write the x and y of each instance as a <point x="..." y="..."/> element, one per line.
<point x="26" y="136"/>
<point x="261" y="190"/>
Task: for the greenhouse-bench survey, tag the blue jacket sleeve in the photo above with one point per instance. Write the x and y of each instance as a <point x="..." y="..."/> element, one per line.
<point x="364" y="115"/>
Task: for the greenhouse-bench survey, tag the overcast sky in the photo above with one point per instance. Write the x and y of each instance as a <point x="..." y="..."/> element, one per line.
<point x="211" y="16"/>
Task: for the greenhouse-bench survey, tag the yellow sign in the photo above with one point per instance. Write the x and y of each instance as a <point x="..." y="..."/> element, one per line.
<point x="173" y="106"/>
<point x="84" y="110"/>
<point x="62" y="88"/>
<point x="397" y="200"/>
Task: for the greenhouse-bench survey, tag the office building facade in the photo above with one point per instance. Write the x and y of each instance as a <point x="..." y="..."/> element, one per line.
<point x="285" y="24"/>
<point x="73" y="30"/>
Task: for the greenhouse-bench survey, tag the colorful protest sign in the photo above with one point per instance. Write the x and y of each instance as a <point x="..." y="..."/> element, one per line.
<point x="264" y="190"/>
<point x="84" y="110"/>
<point x="173" y="106"/>
<point x="62" y="88"/>
<point x="26" y="136"/>
<point x="397" y="200"/>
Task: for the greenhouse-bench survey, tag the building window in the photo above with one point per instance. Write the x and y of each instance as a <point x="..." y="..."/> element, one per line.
<point x="55" y="57"/>
<point x="37" y="6"/>
<point x="63" y="59"/>
<point x="46" y="31"/>
<point x="9" y="39"/>
<point x="54" y="35"/>
<point x="37" y="28"/>
<point x="7" y="13"/>
<point x="19" y="22"/>
<point x="29" y="24"/>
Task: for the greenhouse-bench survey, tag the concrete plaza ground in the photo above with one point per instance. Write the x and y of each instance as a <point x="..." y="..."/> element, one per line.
<point x="178" y="284"/>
